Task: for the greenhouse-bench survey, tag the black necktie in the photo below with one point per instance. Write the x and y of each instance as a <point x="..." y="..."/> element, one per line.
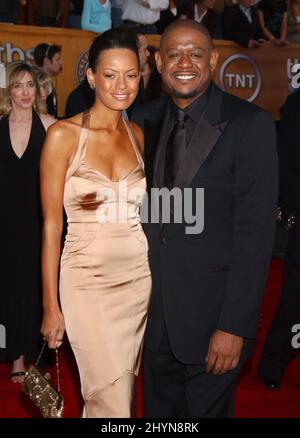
<point x="176" y="148"/>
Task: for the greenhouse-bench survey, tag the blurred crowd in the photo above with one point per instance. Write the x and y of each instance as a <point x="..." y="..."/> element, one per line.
<point x="250" y="23"/>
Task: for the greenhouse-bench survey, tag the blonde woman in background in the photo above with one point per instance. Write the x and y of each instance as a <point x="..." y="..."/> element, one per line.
<point x="45" y="86"/>
<point x="22" y="130"/>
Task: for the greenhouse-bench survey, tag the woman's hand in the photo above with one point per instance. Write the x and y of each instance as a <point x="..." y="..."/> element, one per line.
<point x="53" y="328"/>
<point x="281" y="42"/>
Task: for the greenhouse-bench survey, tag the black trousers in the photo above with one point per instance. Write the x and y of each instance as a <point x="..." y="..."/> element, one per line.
<point x="278" y="350"/>
<point x="176" y="390"/>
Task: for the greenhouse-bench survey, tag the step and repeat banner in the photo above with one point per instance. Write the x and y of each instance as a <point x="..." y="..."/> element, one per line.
<point x="262" y="76"/>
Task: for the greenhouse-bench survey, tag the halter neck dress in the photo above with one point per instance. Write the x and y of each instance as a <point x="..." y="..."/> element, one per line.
<point x="105" y="278"/>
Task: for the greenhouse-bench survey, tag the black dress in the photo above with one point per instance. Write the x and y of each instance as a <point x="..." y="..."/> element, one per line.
<point x="20" y="225"/>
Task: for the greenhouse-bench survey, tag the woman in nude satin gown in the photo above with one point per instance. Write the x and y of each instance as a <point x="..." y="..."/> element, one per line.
<point x="92" y="165"/>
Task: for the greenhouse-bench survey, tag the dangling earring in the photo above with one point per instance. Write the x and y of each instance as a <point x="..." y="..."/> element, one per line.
<point x="93" y="86"/>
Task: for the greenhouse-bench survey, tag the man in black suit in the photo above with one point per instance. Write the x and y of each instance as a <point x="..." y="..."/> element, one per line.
<point x="279" y="349"/>
<point x="240" y="24"/>
<point x="207" y="286"/>
<point x="9" y="11"/>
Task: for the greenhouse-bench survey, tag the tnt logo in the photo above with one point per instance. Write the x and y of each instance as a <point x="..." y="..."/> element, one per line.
<point x="240" y="75"/>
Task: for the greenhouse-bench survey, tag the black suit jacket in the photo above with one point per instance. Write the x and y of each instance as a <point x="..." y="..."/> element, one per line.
<point x="213" y="280"/>
<point x="236" y="27"/>
<point x="166" y="18"/>
<point x="289" y="166"/>
<point x="211" y="19"/>
<point x="52" y="103"/>
<point x="80" y="99"/>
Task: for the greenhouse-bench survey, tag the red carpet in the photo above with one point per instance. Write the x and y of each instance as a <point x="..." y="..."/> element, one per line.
<point x="253" y="400"/>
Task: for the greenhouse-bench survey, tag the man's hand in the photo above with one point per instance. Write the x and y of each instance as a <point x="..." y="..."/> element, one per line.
<point x="223" y="352"/>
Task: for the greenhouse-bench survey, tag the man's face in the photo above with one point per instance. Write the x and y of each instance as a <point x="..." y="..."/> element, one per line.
<point x="143" y="51"/>
<point x="54" y="67"/>
<point x="186" y="63"/>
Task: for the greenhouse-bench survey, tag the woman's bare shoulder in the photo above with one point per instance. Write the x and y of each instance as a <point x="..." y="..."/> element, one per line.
<point x="65" y="128"/>
<point x="63" y="136"/>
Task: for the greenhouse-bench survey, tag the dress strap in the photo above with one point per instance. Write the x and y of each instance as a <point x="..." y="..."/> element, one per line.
<point x="79" y="154"/>
<point x="134" y="144"/>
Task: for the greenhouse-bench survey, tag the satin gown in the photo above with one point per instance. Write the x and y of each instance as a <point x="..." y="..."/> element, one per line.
<point x="105" y="280"/>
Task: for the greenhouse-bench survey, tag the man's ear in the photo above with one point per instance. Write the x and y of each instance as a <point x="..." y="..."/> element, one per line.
<point x="46" y="62"/>
<point x="158" y="60"/>
<point x="213" y="60"/>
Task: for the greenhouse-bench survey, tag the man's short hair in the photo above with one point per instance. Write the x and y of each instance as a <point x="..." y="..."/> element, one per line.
<point x="136" y="31"/>
<point x="189" y="25"/>
<point x="43" y="51"/>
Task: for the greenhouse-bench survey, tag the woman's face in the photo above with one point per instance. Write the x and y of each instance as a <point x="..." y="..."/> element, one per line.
<point x="22" y="91"/>
<point x="116" y="79"/>
<point x="43" y="92"/>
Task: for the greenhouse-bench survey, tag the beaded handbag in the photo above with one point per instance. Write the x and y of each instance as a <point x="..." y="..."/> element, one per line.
<point x="44" y="395"/>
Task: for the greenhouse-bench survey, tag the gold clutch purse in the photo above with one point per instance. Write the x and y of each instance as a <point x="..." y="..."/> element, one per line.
<point x="44" y="395"/>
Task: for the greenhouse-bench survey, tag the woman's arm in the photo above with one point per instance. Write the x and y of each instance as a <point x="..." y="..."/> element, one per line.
<point x="283" y="27"/>
<point x="53" y="167"/>
<point x="265" y="30"/>
<point x="157" y="5"/>
<point x="86" y="16"/>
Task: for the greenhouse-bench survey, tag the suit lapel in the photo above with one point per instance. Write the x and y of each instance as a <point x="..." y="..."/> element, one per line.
<point x="202" y="143"/>
<point x="203" y="140"/>
<point x="243" y="17"/>
<point x="207" y="133"/>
